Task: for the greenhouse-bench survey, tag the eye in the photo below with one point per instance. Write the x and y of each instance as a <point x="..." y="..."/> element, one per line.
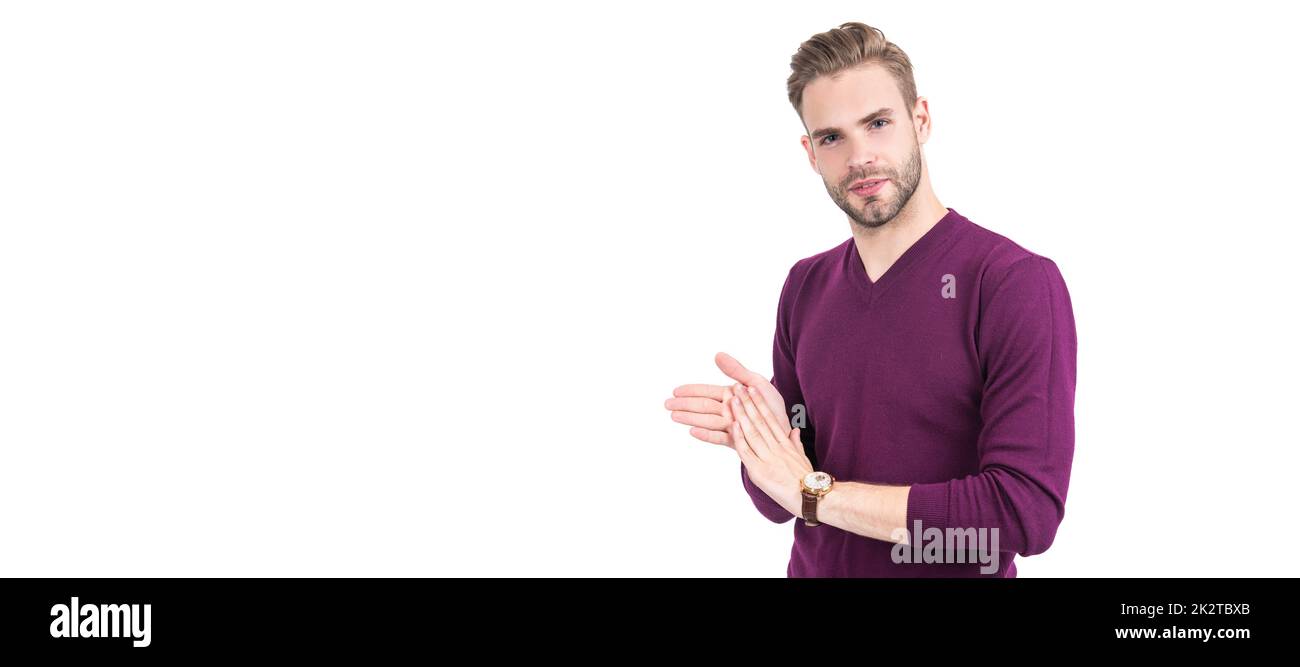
<point x="826" y="138"/>
<point x="879" y="120"/>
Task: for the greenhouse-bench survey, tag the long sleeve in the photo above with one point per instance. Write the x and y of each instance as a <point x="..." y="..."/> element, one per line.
<point x="1027" y="349"/>
<point x="787" y="384"/>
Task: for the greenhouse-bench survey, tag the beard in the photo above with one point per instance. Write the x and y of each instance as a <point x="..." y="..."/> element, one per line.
<point x="876" y="210"/>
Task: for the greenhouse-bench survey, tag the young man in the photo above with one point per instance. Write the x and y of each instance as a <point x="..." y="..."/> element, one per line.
<point x="927" y="363"/>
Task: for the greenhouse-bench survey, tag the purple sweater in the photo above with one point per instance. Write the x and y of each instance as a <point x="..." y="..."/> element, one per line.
<point x="953" y="373"/>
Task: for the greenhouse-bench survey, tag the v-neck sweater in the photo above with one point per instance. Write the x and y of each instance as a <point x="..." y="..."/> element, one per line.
<point x="952" y="373"/>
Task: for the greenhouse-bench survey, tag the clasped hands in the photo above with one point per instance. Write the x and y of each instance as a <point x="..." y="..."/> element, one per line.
<point x="749" y="417"/>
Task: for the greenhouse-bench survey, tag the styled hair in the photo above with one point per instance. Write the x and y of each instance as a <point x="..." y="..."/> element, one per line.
<point x="846" y="47"/>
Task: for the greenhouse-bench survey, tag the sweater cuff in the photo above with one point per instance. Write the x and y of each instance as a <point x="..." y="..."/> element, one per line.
<point x="927" y="503"/>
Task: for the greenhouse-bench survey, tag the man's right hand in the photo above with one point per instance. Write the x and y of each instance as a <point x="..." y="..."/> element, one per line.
<point x="705" y="407"/>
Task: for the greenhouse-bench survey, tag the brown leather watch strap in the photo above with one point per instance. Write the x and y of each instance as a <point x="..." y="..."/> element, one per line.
<point x="810" y="509"/>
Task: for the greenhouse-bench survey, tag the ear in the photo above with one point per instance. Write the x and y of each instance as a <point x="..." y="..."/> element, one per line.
<point x="812" y="154"/>
<point x="921" y="120"/>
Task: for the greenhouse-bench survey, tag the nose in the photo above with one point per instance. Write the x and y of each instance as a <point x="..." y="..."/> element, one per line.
<point x="862" y="156"/>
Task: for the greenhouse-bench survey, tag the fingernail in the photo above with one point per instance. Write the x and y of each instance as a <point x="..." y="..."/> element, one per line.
<point x="752" y="390"/>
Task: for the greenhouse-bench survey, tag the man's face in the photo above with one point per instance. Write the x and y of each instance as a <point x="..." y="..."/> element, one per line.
<point x="850" y="142"/>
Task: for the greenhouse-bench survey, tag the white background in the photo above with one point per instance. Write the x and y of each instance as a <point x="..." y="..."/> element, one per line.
<point x="381" y="289"/>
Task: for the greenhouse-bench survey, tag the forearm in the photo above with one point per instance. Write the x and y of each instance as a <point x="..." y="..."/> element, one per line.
<point x="870" y="510"/>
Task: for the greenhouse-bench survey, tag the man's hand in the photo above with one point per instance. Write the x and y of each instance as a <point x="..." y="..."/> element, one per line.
<point x="773" y="456"/>
<point x="707" y="407"/>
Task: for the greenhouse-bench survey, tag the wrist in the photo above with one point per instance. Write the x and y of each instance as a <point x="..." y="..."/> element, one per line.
<point x="828" y="507"/>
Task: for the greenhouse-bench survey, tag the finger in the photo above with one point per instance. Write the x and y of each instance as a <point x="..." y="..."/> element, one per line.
<point x="713" y="437"/>
<point x="714" y="422"/>
<point x="773" y="424"/>
<point x="740" y="444"/>
<point x="704" y="406"/>
<point x="713" y="391"/>
<point x="726" y="404"/>
<point x="757" y="423"/>
<point x="752" y="437"/>
<point x="735" y="370"/>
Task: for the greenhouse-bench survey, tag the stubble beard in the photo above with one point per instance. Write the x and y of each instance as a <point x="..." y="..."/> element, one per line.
<point x="874" y="211"/>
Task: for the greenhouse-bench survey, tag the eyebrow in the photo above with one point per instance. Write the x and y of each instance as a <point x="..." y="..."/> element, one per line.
<point x="883" y="112"/>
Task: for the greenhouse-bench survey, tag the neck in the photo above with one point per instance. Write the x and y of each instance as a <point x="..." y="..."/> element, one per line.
<point x="879" y="247"/>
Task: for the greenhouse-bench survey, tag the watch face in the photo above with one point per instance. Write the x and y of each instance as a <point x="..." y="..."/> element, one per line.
<point x="817" y="481"/>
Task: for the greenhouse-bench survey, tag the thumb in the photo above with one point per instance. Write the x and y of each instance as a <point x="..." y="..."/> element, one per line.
<point x="737" y="371"/>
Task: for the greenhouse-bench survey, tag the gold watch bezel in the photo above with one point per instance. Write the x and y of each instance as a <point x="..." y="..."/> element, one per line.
<point x="817" y="492"/>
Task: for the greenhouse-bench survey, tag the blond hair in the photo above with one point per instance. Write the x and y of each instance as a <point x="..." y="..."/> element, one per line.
<point x="846" y="47"/>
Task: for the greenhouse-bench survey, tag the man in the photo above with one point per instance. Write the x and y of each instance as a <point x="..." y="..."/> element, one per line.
<point x="927" y="363"/>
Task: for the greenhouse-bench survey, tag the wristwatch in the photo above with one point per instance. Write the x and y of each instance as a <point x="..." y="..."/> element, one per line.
<point x="815" y="485"/>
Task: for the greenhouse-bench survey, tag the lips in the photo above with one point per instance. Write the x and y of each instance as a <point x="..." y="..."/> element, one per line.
<point x="869" y="186"/>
